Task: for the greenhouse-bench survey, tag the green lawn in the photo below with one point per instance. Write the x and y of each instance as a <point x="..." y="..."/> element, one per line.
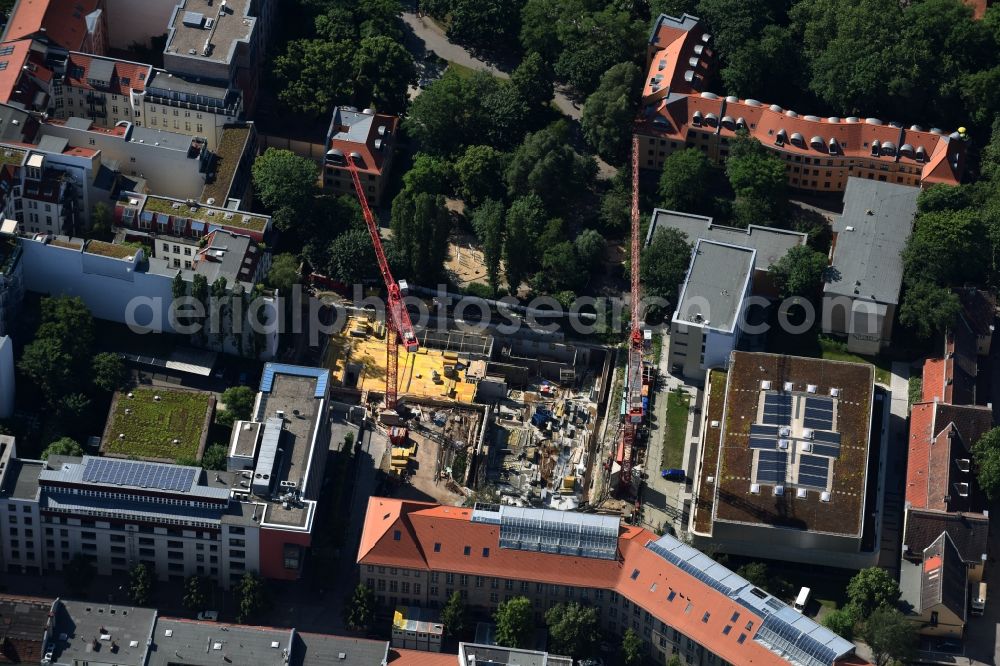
<point x="834" y="350"/>
<point x="461" y="70"/>
<point x="150" y="426"/>
<point x="673" y="440"/>
<point x="815" y="345"/>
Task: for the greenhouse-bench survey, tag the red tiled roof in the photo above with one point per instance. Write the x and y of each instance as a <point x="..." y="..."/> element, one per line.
<point x="373" y="159"/>
<point x="78" y="65"/>
<point x="939" y="435"/>
<point x="418" y="535"/>
<point x="64" y="21"/>
<point x="663" y="114"/>
<point x="401" y="657"/>
<point x="933" y="380"/>
<point x="16" y="61"/>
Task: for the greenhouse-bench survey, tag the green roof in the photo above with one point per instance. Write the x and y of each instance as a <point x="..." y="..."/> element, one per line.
<point x="227" y="156"/>
<point x="239" y="220"/>
<point x="110" y="249"/>
<point x="169" y="428"/>
<point x="11" y="156"/>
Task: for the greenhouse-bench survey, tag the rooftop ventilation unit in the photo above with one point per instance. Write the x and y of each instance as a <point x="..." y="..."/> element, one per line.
<point x="791" y="114"/>
<point x="765" y="385"/>
<point x="776" y="108"/>
<point x="779" y="491"/>
<point x="789" y="386"/>
<point x="709" y="479"/>
<point x="752" y="102"/>
<point x="873" y="121"/>
<point x="811" y="388"/>
<point x="812" y="119"/>
<point x="784" y="431"/>
<point x="807" y="447"/>
<point x="835" y="392"/>
<point x="824" y="496"/>
<point x="696" y="118"/>
<point x="783" y="444"/>
<point x="801" y="493"/>
<point x="714" y="424"/>
<point x="693" y="62"/>
<point x="808" y="433"/>
<point x="755" y="488"/>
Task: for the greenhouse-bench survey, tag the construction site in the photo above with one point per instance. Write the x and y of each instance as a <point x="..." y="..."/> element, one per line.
<point x="477" y="411"/>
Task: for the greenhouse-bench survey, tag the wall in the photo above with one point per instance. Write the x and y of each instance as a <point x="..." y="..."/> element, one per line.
<point x="866" y="325"/>
<point x="312" y="150"/>
<point x="787" y="544"/>
<point x="685" y="349"/>
<point x="166" y="167"/>
<point x="272" y="553"/>
<point x="126" y="25"/>
<point x="6" y="377"/>
<point x="189" y="119"/>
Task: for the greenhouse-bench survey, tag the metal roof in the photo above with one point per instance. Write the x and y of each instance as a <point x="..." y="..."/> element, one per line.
<point x="871" y="234"/>
<point x="118" y="473"/>
<point x="271" y="369"/>
<point x="563" y="532"/>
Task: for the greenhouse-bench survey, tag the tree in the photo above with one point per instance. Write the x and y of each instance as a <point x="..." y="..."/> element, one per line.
<point x="928" y="309"/>
<point x="546" y="165"/>
<point x="525" y="222"/>
<point x="252" y="595"/>
<point x="631" y="648"/>
<point x="429" y="174"/>
<point x="675" y="661"/>
<point x="488" y="223"/>
<point x="515" y="623"/>
<point x="194" y="594"/>
<point x="444" y="116"/>
<point x="483" y="22"/>
<point x="946" y="248"/>
<point x="609" y="111"/>
<point x="561" y="269"/>
<point x="664" y="264"/>
<point x="352" y="257"/>
<point x="64" y="446"/>
<point x="286" y="184"/>
<point x="384" y="72"/>
<point x="360" y="608"/>
<point x="573" y="629"/>
<point x="239" y="400"/>
<point x="842" y="621"/>
<point x="616" y="204"/>
<point x="593" y="42"/>
<point x="420" y="227"/>
<point x="758" y="178"/>
<point x="453" y="615"/>
<point x="284" y="273"/>
<point x="215" y="457"/>
<point x="533" y="80"/>
<point x="685" y="181"/>
<point x="890" y="635"/>
<point x="799" y="272"/>
<point x="755" y="573"/>
<point x="986" y="453"/>
<point x="109" y="371"/>
<point x="480" y="174"/>
<point x="78" y="574"/>
<point x="872" y="588"/>
<point x="100" y="220"/>
<point x="140" y="585"/>
<point x="314" y="74"/>
<point x="49" y="366"/>
<point x="589" y="247"/>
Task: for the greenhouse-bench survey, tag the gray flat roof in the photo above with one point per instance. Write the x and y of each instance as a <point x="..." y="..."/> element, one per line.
<point x="164" y="80"/>
<point x="867" y="259"/>
<point x="771" y="244"/>
<point x="715" y="284"/>
<point x="325" y="650"/>
<point x="356" y="125"/>
<point x="229" y="27"/>
<point x="210" y="643"/>
<point x="21" y="479"/>
<point x="505" y="656"/>
<point x="125" y="631"/>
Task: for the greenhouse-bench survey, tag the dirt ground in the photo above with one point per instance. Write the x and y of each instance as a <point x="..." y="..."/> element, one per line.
<point x="465" y="261"/>
<point x="424" y="483"/>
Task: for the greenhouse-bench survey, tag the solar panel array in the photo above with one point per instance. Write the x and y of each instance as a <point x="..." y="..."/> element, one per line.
<point x="763" y="436"/>
<point x="772" y="467"/>
<point x="819" y="414"/>
<point x="139" y="474"/>
<point x="699" y="565"/>
<point x="814" y="471"/>
<point x="778" y="409"/>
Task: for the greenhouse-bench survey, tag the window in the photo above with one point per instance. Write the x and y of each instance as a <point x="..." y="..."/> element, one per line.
<point x="437" y="547"/>
<point x="486" y="552"/>
<point x="396" y="535"/>
<point x="479" y="581"/>
<point x="494" y="597"/>
<point x="187" y="253"/>
<point x="467" y="550"/>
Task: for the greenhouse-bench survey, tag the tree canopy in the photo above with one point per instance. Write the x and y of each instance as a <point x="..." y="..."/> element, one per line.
<point x="799" y="272"/>
<point x="609" y="111"/>
<point x="360" y="608"/>
<point x="64" y="446"/>
<point x="986" y="453"/>
<point x="488" y="223"/>
<point x="685" y="181"/>
<point x="546" y="165"/>
<point x="480" y="174"/>
<point x="515" y="622"/>
<point x="453" y="615"/>
<point x="890" y="635"/>
<point x="285" y="183"/>
<point x="664" y="263"/>
<point x="573" y="629"/>
<point x="420" y="226"/>
<point x="871" y="589"/>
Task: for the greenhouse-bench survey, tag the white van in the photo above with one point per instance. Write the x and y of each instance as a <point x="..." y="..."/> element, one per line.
<point x="979" y="602"/>
<point x="803" y="599"/>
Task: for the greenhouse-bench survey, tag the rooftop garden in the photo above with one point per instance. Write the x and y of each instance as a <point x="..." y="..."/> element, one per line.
<point x="228" y="155"/>
<point x="11" y="156"/>
<point x="104" y="249"/>
<point x="239" y="219"/>
<point x="155" y="423"/>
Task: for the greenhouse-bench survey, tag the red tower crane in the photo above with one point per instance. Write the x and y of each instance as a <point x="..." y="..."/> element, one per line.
<point x="633" y="376"/>
<point x="397" y="319"/>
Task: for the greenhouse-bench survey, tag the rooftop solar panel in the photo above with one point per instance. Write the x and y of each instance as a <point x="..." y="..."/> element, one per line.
<point x="816" y="424"/>
<point x="825" y="404"/>
<point x="813" y="461"/>
<point x="812" y="480"/>
<point x="763" y="442"/>
<point x="826" y="450"/>
<point x="139" y="474"/>
<point x="760" y="429"/>
<point x="827" y="437"/>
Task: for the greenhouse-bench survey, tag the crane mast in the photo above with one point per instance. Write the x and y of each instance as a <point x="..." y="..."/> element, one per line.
<point x="633" y="376"/>
<point x="399" y="328"/>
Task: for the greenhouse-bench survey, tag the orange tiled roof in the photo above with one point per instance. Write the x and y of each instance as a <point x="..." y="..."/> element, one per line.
<point x="128" y="76"/>
<point x="670" y="104"/>
<point x="64" y="21"/>
<point x="419" y="535"/>
<point x="933" y="380"/>
<point x="21" y="56"/>
<point x="373" y="159"/>
<point x="401" y="657"/>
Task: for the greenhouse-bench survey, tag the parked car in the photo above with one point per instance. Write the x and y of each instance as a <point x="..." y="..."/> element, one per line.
<point x="212" y="616"/>
<point x="673" y="474"/>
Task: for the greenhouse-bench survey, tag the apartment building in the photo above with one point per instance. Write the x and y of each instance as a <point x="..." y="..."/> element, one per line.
<point x="707" y="323"/>
<point x="63" y="25"/>
<point x="105" y="90"/>
<point x="182" y="521"/>
<point x="189" y="106"/>
<point x="677" y="599"/>
<point x="820" y="154"/>
<point x="367" y="140"/>
<point x="25" y="76"/>
<point x="861" y="290"/>
<point x="797" y="479"/>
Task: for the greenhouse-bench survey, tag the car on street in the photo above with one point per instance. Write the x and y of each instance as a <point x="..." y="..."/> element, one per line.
<point x="209" y="615"/>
